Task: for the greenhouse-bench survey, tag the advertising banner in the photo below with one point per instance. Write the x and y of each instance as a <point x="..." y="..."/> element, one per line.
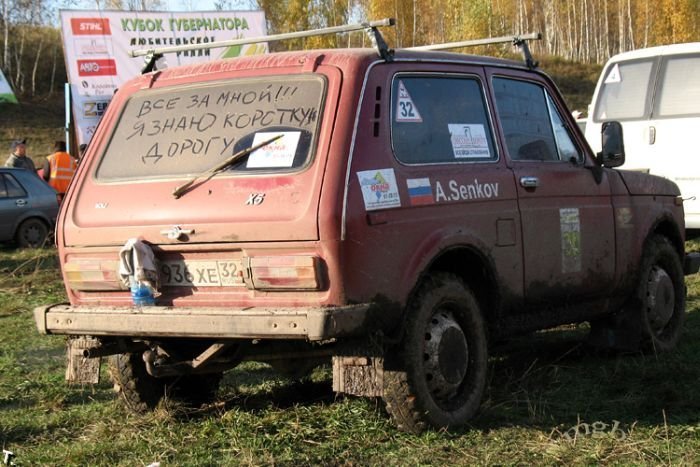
<point x="6" y="94"/>
<point x="97" y="46"/>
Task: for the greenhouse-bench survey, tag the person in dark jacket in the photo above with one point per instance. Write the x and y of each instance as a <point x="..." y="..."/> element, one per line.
<point x="18" y="157"/>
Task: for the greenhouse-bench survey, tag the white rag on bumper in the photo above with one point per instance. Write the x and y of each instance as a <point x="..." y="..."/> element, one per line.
<point x="137" y="263"/>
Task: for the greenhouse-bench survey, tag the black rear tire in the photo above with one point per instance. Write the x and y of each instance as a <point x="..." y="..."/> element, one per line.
<point x="32" y="233"/>
<point x="138" y="391"/>
<point x="438" y="376"/>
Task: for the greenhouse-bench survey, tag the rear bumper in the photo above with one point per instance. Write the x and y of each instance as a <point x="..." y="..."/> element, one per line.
<point x="309" y="323"/>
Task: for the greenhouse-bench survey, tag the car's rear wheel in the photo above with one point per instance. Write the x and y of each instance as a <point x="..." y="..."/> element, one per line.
<point x="32" y="233"/>
<point x="141" y="392"/>
<point x="438" y="376"/>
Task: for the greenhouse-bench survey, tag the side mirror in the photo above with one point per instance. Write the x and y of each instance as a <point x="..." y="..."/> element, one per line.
<point x="613" y="153"/>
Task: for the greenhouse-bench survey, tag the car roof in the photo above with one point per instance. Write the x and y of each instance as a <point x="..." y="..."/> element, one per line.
<point x="26" y="177"/>
<point x="13" y="170"/>
<point x="671" y="49"/>
<point x="346" y="59"/>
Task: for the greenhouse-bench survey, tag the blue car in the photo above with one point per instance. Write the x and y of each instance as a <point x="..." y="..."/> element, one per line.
<point x="28" y="208"/>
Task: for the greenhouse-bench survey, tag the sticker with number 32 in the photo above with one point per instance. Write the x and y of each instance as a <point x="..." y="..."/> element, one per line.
<point x="406" y="110"/>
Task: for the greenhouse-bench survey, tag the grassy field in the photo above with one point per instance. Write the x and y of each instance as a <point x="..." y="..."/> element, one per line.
<point x="551" y="401"/>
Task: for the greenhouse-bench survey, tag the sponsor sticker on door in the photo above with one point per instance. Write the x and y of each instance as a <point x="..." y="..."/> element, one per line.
<point x="570" y="224"/>
<point x="468" y="141"/>
<point x="379" y="189"/>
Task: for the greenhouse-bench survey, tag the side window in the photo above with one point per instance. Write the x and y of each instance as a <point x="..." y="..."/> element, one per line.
<point x="13" y="189"/>
<point x="624" y="92"/>
<point x="3" y="188"/>
<point x="679" y="96"/>
<point x="565" y="144"/>
<point x="440" y="119"/>
<point x="524" y="115"/>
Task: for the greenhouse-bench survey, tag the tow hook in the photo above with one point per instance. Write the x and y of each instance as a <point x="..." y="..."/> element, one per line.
<point x="149" y="358"/>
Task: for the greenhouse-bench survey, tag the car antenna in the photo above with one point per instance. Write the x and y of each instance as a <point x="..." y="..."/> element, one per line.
<point x="518" y="41"/>
<point x="152" y="55"/>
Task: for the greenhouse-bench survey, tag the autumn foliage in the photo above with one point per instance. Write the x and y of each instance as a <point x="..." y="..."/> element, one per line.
<point x="584" y="31"/>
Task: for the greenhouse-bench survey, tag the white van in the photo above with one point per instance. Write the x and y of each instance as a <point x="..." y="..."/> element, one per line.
<point x="655" y="94"/>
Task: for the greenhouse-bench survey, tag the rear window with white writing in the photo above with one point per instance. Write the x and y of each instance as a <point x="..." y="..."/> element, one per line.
<point x="183" y="131"/>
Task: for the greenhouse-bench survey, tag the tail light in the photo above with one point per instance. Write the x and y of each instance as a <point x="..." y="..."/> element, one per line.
<point x="285" y="272"/>
<point x="93" y="275"/>
<point x="263" y="273"/>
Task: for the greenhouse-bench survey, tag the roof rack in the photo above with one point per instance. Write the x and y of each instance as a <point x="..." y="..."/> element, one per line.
<point x="154" y="54"/>
<point x="517" y="41"/>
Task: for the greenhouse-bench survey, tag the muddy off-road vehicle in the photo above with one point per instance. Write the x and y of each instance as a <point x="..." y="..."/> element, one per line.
<point x="400" y="211"/>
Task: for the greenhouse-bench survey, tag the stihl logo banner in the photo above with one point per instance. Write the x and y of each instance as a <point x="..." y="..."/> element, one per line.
<point x="97" y="67"/>
<point x="90" y="26"/>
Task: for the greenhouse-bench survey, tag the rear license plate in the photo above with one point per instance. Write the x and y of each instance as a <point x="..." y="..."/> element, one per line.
<point x="201" y="273"/>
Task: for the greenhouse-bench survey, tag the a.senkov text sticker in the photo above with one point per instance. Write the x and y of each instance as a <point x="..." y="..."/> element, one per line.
<point x="379" y="189"/>
<point x="279" y="153"/>
<point x="406" y="110"/>
<point x="468" y="140"/>
<point x="460" y="191"/>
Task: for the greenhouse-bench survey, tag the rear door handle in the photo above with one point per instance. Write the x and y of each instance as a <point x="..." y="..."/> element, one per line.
<point x="21" y="202"/>
<point x="529" y="182"/>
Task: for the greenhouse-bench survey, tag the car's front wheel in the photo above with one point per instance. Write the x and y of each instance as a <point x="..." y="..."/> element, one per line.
<point x="652" y="318"/>
<point x="32" y="233"/>
<point x="661" y="293"/>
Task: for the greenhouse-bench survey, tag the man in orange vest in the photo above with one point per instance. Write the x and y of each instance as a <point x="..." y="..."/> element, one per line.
<point x="59" y="168"/>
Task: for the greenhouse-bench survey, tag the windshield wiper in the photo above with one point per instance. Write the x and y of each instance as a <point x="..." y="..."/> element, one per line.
<point x="182" y="189"/>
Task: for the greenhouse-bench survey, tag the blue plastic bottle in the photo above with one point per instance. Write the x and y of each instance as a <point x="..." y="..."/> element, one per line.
<point x="141" y="294"/>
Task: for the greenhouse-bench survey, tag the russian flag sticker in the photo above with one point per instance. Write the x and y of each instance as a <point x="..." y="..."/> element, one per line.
<point x="420" y="191"/>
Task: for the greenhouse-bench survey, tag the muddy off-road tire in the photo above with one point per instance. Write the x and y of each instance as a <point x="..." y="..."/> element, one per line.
<point x="652" y="318"/>
<point x="661" y="294"/>
<point x="141" y="392"/>
<point x="437" y="377"/>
